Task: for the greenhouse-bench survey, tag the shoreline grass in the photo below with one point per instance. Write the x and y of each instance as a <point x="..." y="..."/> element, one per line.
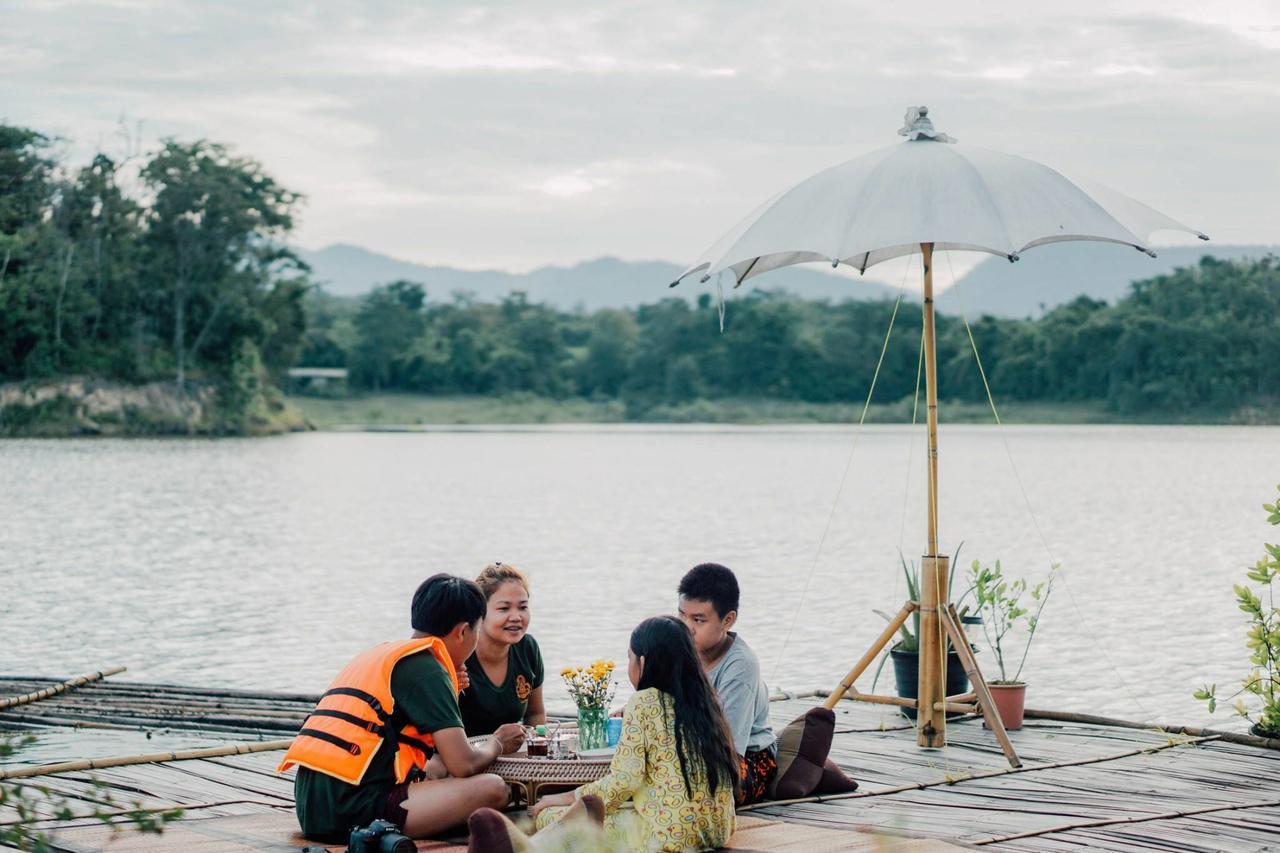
<point x="410" y="410"/>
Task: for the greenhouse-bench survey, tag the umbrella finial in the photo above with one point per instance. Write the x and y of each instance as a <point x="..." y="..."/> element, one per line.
<point x="916" y="125"/>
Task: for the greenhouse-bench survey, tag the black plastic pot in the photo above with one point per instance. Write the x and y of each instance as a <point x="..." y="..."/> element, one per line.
<point x="906" y="672"/>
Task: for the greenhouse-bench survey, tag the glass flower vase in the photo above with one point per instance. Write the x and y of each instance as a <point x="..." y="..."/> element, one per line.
<point x="591" y="728"/>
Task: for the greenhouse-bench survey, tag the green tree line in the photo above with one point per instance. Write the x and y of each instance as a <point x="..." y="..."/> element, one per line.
<point x="170" y="265"/>
<point x="1203" y="337"/>
<point x="162" y="266"/>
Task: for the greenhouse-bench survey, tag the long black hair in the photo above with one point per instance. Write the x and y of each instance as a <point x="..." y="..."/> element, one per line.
<point x="671" y="665"/>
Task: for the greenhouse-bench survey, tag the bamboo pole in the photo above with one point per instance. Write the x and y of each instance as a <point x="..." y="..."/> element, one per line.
<point x="956" y="780"/>
<point x="153" y="758"/>
<point x="989" y="710"/>
<point x="860" y="667"/>
<point x="931" y="723"/>
<point x="875" y="699"/>
<point x="186" y="807"/>
<point x="1193" y="731"/>
<point x="931" y="395"/>
<point x="28" y="698"/>
<point x="1113" y="821"/>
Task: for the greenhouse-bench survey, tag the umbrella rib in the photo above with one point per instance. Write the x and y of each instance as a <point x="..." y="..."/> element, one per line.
<point x="747" y="273"/>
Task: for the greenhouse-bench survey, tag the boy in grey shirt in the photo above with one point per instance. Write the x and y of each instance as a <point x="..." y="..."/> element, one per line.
<point x="709" y="606"/>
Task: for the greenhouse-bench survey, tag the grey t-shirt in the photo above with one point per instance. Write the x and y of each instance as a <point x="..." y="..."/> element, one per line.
<point x="743" y="697"/>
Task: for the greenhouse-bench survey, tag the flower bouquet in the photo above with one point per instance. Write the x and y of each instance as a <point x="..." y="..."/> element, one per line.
<point x="592" y="689"/>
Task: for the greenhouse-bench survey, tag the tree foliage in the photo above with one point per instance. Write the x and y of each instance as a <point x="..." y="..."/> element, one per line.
<point x="1202" y="338"/>
<point x="168" y="280"/>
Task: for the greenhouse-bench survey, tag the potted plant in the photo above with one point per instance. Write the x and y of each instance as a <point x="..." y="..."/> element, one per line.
<point x="1263" y="641"/>
<point x="905" y="653"/>
<point x="1002" y="603"/>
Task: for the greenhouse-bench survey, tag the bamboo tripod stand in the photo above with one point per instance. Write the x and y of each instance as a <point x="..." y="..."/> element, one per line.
<point x="939" y="622"/>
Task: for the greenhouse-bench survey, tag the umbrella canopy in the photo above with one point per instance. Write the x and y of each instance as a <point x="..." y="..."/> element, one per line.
<point x="927" y="189"/>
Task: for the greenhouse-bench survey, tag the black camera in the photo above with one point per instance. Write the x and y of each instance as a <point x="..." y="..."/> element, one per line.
<point x="381" y="836"/>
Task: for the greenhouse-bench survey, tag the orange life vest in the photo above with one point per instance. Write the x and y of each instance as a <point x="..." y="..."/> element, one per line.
<point x="351" y="721"/>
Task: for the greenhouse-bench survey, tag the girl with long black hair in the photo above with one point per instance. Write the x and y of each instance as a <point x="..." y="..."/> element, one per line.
<point x="675" y="762"/>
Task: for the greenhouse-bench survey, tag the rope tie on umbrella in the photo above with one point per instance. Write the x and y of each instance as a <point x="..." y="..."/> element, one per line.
<point x="720" y="299"/>
<point x="848" y="465"/>
<point x="1035" y="522"/>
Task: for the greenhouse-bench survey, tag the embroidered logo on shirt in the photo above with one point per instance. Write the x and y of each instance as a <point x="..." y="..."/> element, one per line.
<point x="523" y="688"/>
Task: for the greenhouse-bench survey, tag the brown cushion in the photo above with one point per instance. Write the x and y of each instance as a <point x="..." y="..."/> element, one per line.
<point x="834" y="781"/>
<point x="802" y="752"/>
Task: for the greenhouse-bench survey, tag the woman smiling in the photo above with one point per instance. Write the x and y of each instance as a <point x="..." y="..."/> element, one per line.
<point x="506" y="669"/>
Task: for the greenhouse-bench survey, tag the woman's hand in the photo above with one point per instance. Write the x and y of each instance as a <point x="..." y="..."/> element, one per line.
<point x="510" y="736"/>
<point x="565" y="799"/>
<point x="464" y="679"/>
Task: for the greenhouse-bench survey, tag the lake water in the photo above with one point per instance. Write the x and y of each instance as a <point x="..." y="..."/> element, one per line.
<point x="267" y="563"/>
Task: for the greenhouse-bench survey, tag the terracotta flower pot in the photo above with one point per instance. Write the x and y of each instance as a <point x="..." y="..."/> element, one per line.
<point x="1010" y="699"/>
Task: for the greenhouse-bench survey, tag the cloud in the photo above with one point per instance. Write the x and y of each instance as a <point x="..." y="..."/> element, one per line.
<point x="646" y="129"/>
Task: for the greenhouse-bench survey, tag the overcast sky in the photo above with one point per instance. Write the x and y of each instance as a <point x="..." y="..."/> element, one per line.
<point x="517" y="135"/>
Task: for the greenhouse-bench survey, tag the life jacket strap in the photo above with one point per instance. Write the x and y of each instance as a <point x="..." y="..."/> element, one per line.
<point x="341" y="743"/>
<point x="367" y="725"/>
<point x="368" y="698"/>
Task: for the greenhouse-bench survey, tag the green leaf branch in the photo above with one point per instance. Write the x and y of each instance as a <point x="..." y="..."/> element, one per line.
<point x="1262" y="639"/>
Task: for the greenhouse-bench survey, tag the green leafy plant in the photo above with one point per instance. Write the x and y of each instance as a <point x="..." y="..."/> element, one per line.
<point x="1003" y="605"/>
<point x="32" y="804"/>
<point x="1263" y="641"/>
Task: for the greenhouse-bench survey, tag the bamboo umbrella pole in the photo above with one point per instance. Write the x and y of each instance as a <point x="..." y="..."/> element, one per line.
<point x="28" y="698"/>
<point x="152" y="758"/>
<point x="931" y="731"/>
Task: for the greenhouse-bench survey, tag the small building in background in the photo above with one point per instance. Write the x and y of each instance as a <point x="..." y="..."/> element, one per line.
<point x="320" y="381"/>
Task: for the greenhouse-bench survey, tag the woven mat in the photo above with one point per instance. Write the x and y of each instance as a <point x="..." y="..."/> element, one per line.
<point x="755" y="833"/>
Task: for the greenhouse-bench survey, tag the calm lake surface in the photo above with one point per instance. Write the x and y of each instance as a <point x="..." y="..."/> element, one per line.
<point x="267" y="563"/>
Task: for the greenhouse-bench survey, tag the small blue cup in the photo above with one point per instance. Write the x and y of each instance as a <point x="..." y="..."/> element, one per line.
<point x="613" y="730"/>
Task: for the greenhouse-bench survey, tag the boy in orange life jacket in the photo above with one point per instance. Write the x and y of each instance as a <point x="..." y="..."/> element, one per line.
<point x="386" y="739"/>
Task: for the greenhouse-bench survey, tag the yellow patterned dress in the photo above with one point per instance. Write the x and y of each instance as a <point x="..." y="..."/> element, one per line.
<point x="645" y="773"/>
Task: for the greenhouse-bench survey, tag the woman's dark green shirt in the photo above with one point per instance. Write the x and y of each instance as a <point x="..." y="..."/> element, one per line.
<point x="486" y="705"/>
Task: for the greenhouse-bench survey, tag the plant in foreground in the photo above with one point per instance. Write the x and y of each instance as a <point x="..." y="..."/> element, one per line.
<point x="1263" y="641"/>
<point x="34" y="804"/>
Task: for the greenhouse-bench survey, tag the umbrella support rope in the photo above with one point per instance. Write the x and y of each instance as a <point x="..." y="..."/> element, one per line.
<point x="1026" y="499"/>
<point x="866" y="406"/>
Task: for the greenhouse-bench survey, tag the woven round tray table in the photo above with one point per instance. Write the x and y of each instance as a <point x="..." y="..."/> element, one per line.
<point x="529" y="775"/>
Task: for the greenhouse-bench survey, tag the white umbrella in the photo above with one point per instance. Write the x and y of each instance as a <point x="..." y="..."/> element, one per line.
<point x="924" y="194"/>
<point x="928" y="189"/>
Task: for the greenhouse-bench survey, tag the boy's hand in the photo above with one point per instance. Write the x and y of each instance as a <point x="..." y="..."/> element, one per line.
<point x="510" y="736"/>
<point x="464" y="679"/>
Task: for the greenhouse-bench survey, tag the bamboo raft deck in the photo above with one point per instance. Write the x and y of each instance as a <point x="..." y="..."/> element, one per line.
<point x="1083" y="784"/>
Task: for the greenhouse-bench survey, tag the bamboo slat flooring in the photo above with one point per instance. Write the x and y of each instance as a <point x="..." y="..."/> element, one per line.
<point x="1147" y="788"/>
<point x="1082" y="785"/>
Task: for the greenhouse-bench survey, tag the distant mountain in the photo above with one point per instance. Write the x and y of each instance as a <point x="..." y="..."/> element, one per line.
<point x="1045" y="277"/>
<point x="1059" y="272"/>
<point x="345" y="270"/>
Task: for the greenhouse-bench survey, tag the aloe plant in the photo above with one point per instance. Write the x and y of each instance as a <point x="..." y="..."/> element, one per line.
<point x="1263" y="641"/>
